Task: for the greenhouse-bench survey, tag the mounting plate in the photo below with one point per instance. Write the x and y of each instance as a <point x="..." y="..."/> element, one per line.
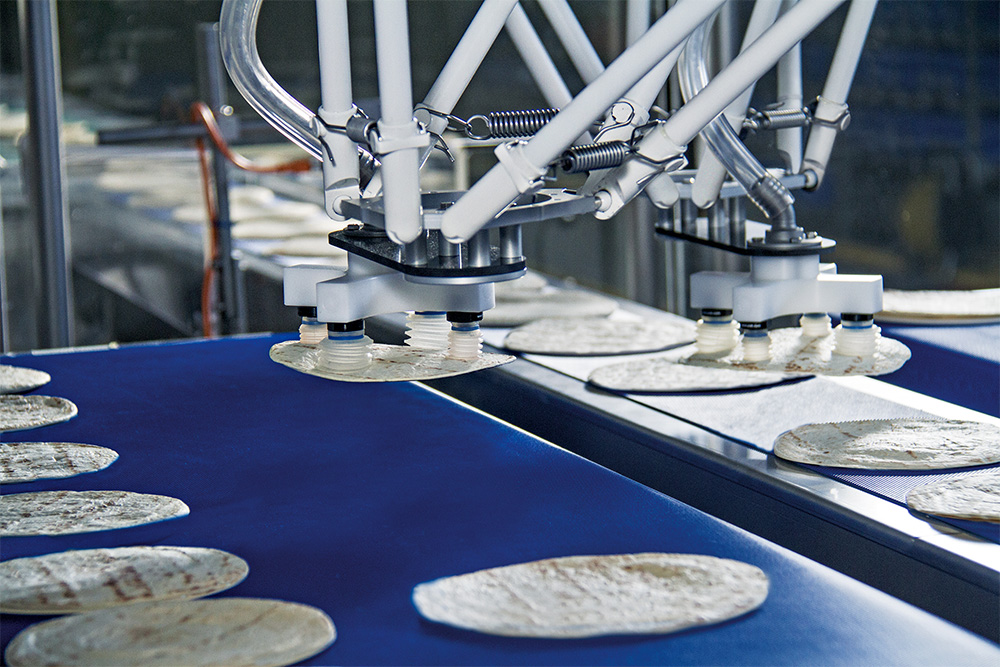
<point x="374" y="245"/>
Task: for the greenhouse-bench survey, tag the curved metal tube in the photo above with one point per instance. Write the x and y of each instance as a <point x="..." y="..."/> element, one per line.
<point x="238" y="31"/>
<point x="772" y="198"/>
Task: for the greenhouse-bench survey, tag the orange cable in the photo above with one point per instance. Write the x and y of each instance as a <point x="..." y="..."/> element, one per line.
<point x="201" y="113"/>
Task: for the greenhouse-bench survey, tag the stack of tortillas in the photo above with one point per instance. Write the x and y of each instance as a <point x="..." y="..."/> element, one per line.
<point x="794" y="352"/>
<point x="940" y="307"/>
<point x="310" y="245"/>
<point x="588" y="596"/>
<point x="975" y="497"/>
<point x="224" y="631"/>
<point x="282" y="210"/>
<point x="390" y="363"/>
<point x="892" y="444"/>
<point x="910" y="444"/>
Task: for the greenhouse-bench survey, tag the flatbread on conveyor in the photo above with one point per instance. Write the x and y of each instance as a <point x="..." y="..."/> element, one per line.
<point x="140" y="176"/>
<point x="239" y="211"/>
<point x="71" y="512"/>
<point x="390" y="363"/>
<point x="663" y="375"/>
<point x="792" y="352"/>
<point x="19" y="413"/>
<point x="317" y="245"/>
<point x="234" y="632"/>
<point x="592" y="336"/>
<point x="28" y="461"/>
<point x="72" y="582"/>
<point x="517" y="308"/>
<point x="588" y="596"/>
<point x="529" y="282"/>
<point x="15" y="379"/>
<point x="892" y="444"/>
<point x="263" y="228"/>
<point x="183" y="194"/>
<point x="975" y="497"/>
<point x="940" y="307"/>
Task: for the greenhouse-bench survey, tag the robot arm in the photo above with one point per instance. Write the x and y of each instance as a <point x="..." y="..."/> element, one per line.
<point x="436" y="251"/>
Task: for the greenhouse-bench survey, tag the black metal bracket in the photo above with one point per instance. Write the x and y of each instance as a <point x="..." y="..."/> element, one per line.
<point x="372" y="244"/>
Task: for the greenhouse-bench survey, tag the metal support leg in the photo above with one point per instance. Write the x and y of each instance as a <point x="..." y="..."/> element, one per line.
<point x="44" y="169"/>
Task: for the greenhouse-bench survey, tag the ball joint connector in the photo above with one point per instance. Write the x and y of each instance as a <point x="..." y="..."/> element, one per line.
<point x="756" y="341"/>
<point x="427" y="330"/>
<point x="346" y="347"/>
<point x="465" y="340"/>
<point x="716" y="331"/>
<point x="857" y="335"/>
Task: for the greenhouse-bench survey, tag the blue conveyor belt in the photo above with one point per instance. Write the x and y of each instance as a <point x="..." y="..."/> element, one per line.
<point x="959" y="364"/>
<point x="345" y="496"/>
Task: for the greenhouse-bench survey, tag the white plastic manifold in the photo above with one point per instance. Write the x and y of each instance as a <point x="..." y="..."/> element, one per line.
<point x="756" y="346"/>
<point x="312" y="331"/>
<point x="465" y="341"/>
<point x="815" y="325"/>
<point x="856" y="339"/>
<point x="716" y="334"/>
<point x="345" y="351"/>
<point x="427" y="330"/>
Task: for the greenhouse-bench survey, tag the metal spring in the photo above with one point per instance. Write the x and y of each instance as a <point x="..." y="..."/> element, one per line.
<point x="777" y="119"/>
<point x="515" y="124"/>
<point x="592" y="157"/>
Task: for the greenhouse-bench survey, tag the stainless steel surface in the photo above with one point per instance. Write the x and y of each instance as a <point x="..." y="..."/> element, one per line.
<point x="511" y="242"/>
<point x="44" y="168"/>
<point x="4" y="299"/>
<point x="928" y="563"/>
<point x="479" y="249"/>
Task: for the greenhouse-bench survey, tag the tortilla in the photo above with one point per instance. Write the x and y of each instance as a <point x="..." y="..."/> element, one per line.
<point x="19" y="413"/>
<point x="70" y="512"/>
<point x="166" y="197"/>
<point x="940" y="307"/>
<point x="143" y="176"/>
<point x="246" y="210"/>
<point x="78" y="581"/>
<point x="589" y="596"/>
<point x="307" y="246"/>
<point x="263" y="228"/>
<point x="221" y="631"/>
<point x="593" y="336"/>
<point x="253" y="195"/>
<point x="516" y="308"/>
<point x="792" y="352"/>
<point x="15" y="379"/>
<point x="528" y="283"/>
<point x="28" y="461"/>
<point x="892" y="444"/>
<point x="390" y="363"/>
<point x="975" y="497"/>
<point x="666" y="376"/>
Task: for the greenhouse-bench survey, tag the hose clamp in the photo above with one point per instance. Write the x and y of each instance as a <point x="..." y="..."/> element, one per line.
<point x="524" y="175"/>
